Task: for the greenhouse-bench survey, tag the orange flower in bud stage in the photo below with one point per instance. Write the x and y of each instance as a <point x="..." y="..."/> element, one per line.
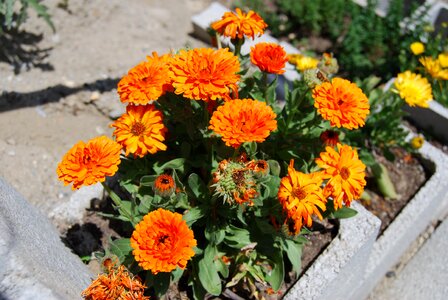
<point x="330" y="138"/>
<point x="205" y="74"/>
<point x="346" y="174"/>
<point x="239" y="24"/>
<point x="342" y="103"/>
<point x="243" y="120"/>
<point x="162" y="241"/>
<point x="146" y="81"/>
<point x="164" y="185"/>
<point x="116" y="284"/>
<point x="301" y="196"/>
<point x="269" y="57"/>
<point x="140" y="130"/>
<point x="87" y="164"/>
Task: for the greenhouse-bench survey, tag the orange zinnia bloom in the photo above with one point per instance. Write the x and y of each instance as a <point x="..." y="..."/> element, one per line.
<point x="240" y="24"/>
<point x="116" y="284"/>
<point x="146" y="81"/>
<point x="87" y="164"/>
<point x="164" y="185"/>
<point x="346" y="174"/>
<point x="162" y="241"/>
<point x="301" y="196"/>
<point x="140" y="130"/>
<point x="245" y="120"/>
<point x="342" y="103"/>
<point x="205" y="73"/>
<point x="269" y="57"/>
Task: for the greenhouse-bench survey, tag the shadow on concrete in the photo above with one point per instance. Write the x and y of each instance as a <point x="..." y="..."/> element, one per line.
<point x="14" y="100"/>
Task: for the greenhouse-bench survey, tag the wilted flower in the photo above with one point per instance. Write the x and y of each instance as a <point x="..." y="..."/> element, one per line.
<point x="414" y="89"/>
<point x="301" y="196"/>
<point x="243" y="120"/>
<point x="205" y="74"/>
<point x="140" y="130"/>
<point x="346" y="174"/>
<point x="269" y="57"/>
<point x="239" y="24"/>
<point x="330" y="138"/>
<point x="328" y="64"/>
<point x="417" y="48"/>
<point x="117" y="284"/>
<point x="314" y="77"/>
<point x="162" y="241"/>
<point x="146" y="81"/>
<point x="87" y="164"/>
<point x="234" y="181"/>
<point x="342" y="103"/>
<point x="259" y="167"/>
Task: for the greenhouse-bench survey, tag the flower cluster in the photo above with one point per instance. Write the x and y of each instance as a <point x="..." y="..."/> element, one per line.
<point x="213" y="164"/>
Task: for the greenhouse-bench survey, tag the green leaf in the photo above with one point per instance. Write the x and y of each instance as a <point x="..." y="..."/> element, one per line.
<point x="176" y="274"/>
<point x="274" y="167"/>
<point x="237" y="237"/>
<point x="222" y="267"/>
<point x="42" y="12"/>
<point x="148" y="180"/>
<point x="214" y="234"/>
<point x="385" y="184"/>
<point x="194" y="214"/>
<point x="208" y="274"/>
<point x="294" y="252"/>
<point x="344" y="213"/>
<point x="9" y="13"/>
<point x="159" y="282"/>
<point x="121" y="248"/>
<point x="177" y="164"/>
<point x="275" y="279"/>
<point x="197" y="186"/>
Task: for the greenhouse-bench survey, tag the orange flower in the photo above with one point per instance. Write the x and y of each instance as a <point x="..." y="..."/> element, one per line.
<point x="260" y="167"/>
<point x="346" y="174"/>
<point x="205" y="74"/>
<point x="116" y="284"/>
<point x="162" y="241"/>
<point x="245" y="120"/>
<point x="342" y="103"/>
<point x="146" y="81"/>
<point x="164" y="185"/>
<point x="240" y="24"/>
<point x="140" y="130"/>
<point x="269" y="57"/>
<point x="87" y="164"/>
<point x="301" y="196"/>
<point x="330" y="138"/>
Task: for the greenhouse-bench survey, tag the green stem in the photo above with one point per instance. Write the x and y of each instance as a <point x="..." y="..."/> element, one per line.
<point x="118" y="203"/>
<point x="265" y="87"/>
<point x="238" y="43"/>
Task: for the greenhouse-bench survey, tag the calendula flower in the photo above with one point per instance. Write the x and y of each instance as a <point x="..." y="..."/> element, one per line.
<point x="117" y="283"/>
<point x="162" y="241"/>
<point x="328" y="64"/>
<point x="330" y="138"/>
<point x="146" y="81"/>
<point x="417" y="48"/>
<point x="342" y="103"/>
<point x="417" y="142"/>
<point x="140" y="130"/>
<point x="89" y="163"/>
<point x="259" y="167"/>
<point x="243" y="120"/>
<point x="443" y="59"/>
<point x="301" y="196"/>
<point x="434" y="68"/>
<point x="269" y="57"/>
<point x="238" y="24"/>
<point x="346" y="174"/>
<point x="414" y="89"/>
<point x="306" y="62"/>
<point x="205" y="74"/>
<point x="164" y="185"/>
<point x="234" y="182"/>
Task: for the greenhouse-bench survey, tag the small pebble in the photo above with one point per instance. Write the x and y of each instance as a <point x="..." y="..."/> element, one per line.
<point x="390" y="274"/>
<point x="95" y="96"/>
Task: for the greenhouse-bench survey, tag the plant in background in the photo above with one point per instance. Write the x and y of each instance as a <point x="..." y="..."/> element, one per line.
<point x="220" y="179"/>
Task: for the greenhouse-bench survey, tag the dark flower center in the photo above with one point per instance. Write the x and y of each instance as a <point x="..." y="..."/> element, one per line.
<point x="138" y="129"/>
<point x="345" y="173"/>
<point x="299" y="193"/>
<point x="163" y="238"/>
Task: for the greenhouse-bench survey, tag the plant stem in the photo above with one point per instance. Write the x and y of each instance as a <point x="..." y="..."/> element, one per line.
<point x="118" y="203"/>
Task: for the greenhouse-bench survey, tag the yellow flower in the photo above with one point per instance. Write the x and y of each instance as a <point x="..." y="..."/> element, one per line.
<point x="443" y="59"/>
<point x="417" y="142"/>
<point x="434" y="67"/>
<point x="306" y="62"/>
<point x="414" y="89"/>
<point x="417" y="48"/>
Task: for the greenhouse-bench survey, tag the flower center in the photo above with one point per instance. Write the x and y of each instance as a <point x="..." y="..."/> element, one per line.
<point x="299" y="193"/>
<point x="238" y="177"/>
<point x="345" y="173"/>
<point x="138" y="129"/>
<point x="162" y="238"/>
